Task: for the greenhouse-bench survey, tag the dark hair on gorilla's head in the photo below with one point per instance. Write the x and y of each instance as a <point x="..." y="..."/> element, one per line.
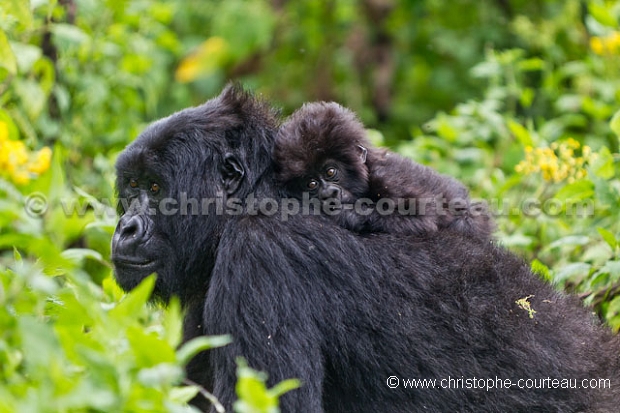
<point x="314" y="134"/>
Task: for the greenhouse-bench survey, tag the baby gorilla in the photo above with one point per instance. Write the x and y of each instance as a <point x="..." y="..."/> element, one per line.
<point x="322" y="151"/>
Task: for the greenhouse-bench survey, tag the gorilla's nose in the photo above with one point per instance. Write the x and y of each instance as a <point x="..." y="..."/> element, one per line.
<point x="330" y="192"/>
<point x="131" y="231"/>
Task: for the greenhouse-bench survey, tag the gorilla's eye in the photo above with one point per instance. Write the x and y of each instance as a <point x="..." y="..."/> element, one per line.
<point x="133" y="183"/>
<point x="154" y="187"/>
<point x="331" y="172"/>
<point x="313" y="184"/>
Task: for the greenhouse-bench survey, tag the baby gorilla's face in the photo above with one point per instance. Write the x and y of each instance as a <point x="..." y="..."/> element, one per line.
<point x="329" y="181"/>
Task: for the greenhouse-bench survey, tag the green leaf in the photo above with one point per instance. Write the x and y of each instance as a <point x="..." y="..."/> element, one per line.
<point x="148" y="348"/>
<point x="162" y="374"/>
<point x="613" y="313"/>
<point x="570" y="240"/>
<point x="571" y="270"/>
<point x="445" y="129"/>
<point x="88" y="396"/>
<point x="252" y="391"/>
<point x="198" y="344"/>
<point x="183" y="394"/>
<point x="20" y="9"/>
<point x="597" y="252"/>
<point x="576" y="191"/>
<point x="32" y="96"/>
<point x="10" y="124"/>
<point x="375" y="137"/>
<point x="527" y="97"/>
<point x="7" y="57"/>
<point x="522" y="134"/>
<point x="517" y="240"/>
<point x="46" y="73"/>
<point x="614" y="124"/>
<point x="52" y="182"/>
<point x="532" y="64"/>
<point x="135" y="300"/>
<point x="39" y="343"/>
<point x="611" y="267"/>
<point x="74" y="314"/>
<point x="111" y="288"/>
<point x="17" y="256"/>
<point x="69" y="33"/>
<point x="541" y="269"/>
<point x="254" y="397"/>
<point x="609" y="238"/>
<point x="602" y="15"/>
<point x="603" y="166"/>
<point x="614" y="305"/>
<point x="173" y="322"/>
<point x="600" y="279"/>
<point x="26" y="55"/>
<point x="285" y="386"/>
<point x="247" y="26"/>
<point x="79" y="255"/>
<point x="487" y="69"/>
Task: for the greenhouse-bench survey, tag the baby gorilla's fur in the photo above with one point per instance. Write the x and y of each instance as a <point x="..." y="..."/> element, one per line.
<point x="322" y="150"/>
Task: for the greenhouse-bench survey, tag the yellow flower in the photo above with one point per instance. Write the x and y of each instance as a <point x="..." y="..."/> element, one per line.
<point x="17" y="163"/>
<point x="21" y="177"/>
<point x="4" y="132"/>
<point x="572" y="143"/>
<point x="208" y="56"/>
<point x="586" y="151"/>
<point x="17" y="154"/>
<point x="41" y="162"/>
<point x="596" y="44"/>
<point x="606" y="45"/>
<point x="557" y="162"/>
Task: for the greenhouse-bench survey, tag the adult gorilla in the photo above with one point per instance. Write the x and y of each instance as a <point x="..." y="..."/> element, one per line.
<point x="305" y="298"/>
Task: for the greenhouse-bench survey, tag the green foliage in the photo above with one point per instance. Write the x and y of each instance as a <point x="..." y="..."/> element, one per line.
<point x="542" y="146"/>
<point x="254" y="397"/>
<point x="67" y="346"/>
<point x="517" y="99"/>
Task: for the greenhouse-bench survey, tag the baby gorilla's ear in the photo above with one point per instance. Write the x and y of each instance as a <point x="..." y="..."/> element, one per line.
<point x="363" y="154"/>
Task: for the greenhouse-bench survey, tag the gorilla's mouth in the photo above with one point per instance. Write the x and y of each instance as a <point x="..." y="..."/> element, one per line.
<point x="131" y="262"/>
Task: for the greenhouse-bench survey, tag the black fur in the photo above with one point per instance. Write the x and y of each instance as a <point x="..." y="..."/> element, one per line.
<point x="325" y="134"/>
<point x="306" y="298"/>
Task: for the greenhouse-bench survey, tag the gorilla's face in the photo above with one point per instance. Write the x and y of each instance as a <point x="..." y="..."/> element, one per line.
<point x="167" y="202"/>
<point x="170" y="181"/>
<point x="328" y="180"/>
<point x="141" y="244"/>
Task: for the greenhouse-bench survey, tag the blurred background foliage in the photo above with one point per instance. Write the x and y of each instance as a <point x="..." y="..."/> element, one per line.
<point x="518" y="99"/>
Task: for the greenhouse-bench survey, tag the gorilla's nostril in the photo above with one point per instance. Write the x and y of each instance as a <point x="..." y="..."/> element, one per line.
<point x="132" y="228"/>
<point x="331" y="192"/>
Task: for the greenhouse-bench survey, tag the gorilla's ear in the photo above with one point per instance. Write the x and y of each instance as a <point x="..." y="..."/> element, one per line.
<point x="232" y="173"/>
<point x="363" y="154"/>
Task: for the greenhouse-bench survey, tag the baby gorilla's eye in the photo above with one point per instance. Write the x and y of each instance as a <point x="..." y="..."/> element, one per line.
<point x="133" y="183"/>
<point x="331" y="172"/>
<point x="154" y="187"/>
<point x="313" y="184"/>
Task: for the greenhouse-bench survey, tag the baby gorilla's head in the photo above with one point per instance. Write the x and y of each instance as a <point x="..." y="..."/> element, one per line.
<point x="321" y="150"/>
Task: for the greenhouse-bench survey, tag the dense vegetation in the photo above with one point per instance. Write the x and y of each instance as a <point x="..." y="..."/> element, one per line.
<point x="517" y="99"/>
